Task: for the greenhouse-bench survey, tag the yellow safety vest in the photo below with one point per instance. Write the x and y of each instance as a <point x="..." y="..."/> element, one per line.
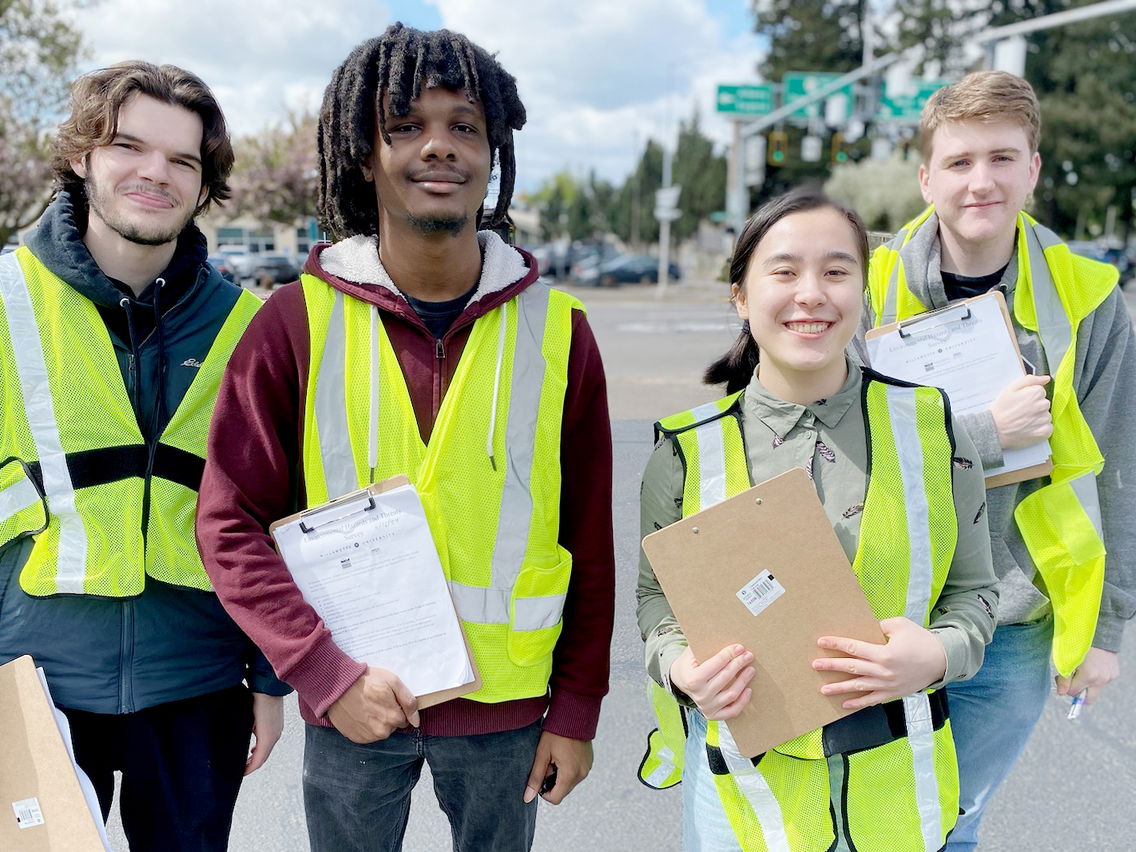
<point x="489" y="478"/>
<point x="861" y="778"/>
<point x="77" y="474"/>
<point x="1060" y="523"/>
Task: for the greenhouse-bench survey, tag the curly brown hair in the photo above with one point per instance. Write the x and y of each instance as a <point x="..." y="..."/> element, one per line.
<point x="399" y="63"/>
<point x="96" y="99"/>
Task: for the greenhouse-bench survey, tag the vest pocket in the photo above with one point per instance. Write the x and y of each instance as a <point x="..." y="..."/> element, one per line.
<point x="536" y="610"/>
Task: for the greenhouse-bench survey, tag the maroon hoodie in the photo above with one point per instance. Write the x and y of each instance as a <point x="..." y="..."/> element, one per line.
<point x="253" y="476"/>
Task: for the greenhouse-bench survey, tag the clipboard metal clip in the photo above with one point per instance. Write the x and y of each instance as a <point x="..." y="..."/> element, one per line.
<point x="902" y="326"/>
<point x="339" y="503"/>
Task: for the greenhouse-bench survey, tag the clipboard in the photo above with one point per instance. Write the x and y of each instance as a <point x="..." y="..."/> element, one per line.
<point x="1028" y="463"/>
<point x="765" y="569"/>
<point x="363" y="500"/>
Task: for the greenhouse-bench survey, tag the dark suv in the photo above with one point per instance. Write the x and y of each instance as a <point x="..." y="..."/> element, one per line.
<point x="268" y="270"/>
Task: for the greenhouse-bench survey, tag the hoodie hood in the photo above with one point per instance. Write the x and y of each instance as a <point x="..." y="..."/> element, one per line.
<point x="58" y="243"/>
<point x="353" y="266"/>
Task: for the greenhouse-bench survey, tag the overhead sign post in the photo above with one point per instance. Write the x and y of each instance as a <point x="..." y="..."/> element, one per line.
<point x="797" y="84"/>
<point x="743" y="100"/>
<point x="905" y="104"/>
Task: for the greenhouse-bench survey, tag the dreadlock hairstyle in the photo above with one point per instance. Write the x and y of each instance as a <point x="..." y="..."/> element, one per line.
<point x="736" y="367"/>
<point x="399" y="63"/>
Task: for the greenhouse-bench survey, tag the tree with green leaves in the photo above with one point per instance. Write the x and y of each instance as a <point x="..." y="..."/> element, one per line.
<point x="702" y="175"/>
<point x="38" y="53"/>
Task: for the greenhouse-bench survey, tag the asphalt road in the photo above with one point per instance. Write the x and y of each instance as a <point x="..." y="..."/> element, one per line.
<point x="1072" y="789"/>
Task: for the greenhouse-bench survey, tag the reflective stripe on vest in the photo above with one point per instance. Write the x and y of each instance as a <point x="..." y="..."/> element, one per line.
<point x="489" y="478"/>
<point x="79" y="445"/>
<point x="1060" y="523"/>
<point x="909" y="505"/>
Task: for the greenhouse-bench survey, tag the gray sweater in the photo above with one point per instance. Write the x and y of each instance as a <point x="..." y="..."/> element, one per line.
<point x="1105" y="381"/>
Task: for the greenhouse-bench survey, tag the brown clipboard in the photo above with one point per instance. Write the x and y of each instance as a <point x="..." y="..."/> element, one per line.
<point x="431" y="698"/>
<point x="1021" y="474"/>
<point x="36" y="769"/>
<point x="778" y="527"/>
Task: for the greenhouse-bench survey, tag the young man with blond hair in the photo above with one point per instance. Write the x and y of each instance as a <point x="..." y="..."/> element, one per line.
<point x="1067" y="585"/>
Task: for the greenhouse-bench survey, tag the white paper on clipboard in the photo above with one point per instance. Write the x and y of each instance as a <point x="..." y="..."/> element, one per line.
<point x="969" y="351"/>
<point x="368" y="565"/>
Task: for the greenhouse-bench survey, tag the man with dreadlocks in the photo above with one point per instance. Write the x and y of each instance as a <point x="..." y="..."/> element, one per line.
<point x="417" y="344"/>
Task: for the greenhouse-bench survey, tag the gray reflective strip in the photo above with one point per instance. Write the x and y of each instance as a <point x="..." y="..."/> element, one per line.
<point x="1085" y="487"/>
<point x="755" y="788"/>
<point x="909" y="448"/>
<point x="71" y="561"/>
<point x="664" y="770"/>
<point x="16" y="497"/>
<point x="1053" y="323"/>
<point x="331" y="407"/>
<point x="891" y="297"/>
<point x="836" y="779"/>
<point x="491" y="606"/>
<point x="1056" y="334"/>
<point x="921" y="738"/>
<point x="711" y="457"/>
<point x="484" y="606"/>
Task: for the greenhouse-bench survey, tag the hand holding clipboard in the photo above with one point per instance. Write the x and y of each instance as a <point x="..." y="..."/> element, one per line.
<point x="969" y="350"/>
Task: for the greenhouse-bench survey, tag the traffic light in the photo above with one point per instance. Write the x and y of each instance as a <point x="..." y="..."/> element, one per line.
<point x="777" y="148"/>
<point x="839" y="148"/>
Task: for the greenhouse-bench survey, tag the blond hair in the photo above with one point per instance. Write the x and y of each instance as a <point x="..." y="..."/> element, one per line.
<point x="983" y="96"/>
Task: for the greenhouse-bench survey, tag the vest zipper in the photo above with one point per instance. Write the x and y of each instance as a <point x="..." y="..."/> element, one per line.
<point x="126" y="659"/>
<point x="439" y="375"/>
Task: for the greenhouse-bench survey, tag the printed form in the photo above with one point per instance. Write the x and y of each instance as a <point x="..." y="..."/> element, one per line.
<point x="368" y="565"/>
<point x="965" y="349"/>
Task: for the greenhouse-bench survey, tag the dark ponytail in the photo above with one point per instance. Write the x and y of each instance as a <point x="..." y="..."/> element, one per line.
<point x="736" y="367"/>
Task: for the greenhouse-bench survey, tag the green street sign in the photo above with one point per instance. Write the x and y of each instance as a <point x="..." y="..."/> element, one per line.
<point x="907" y="104"/>
<point x="747" y="99"/>
<point x="797" y="84"/>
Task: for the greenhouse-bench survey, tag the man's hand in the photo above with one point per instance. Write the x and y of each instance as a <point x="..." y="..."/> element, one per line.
<point x="1021" y="413"/>
<point x="374" y="707"/>
<point x="1098" y="669"/>
<point x="267" y="726"/>
<point x="717" y="686"/>
<point x="566" y="762"/>
<point x="911" y="660"/>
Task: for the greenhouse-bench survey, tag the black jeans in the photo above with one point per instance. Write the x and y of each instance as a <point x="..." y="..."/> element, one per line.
<point x="181" y="764"/>
<point x="357" y="797"/>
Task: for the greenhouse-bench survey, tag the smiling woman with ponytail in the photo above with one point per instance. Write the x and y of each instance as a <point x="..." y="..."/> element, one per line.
<point x="882" y="456"/>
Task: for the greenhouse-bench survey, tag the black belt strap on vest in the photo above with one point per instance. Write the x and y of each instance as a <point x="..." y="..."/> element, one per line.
<point x="868" y="728"/>
<point x="878" y="725"/>
<point x="90" y="468"/>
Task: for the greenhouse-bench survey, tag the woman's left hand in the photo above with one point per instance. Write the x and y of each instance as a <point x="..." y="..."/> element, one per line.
<point x="911" y="660"/>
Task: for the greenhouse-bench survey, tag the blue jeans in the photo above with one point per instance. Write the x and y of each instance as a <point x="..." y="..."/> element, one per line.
<point x="357" y="797"/>
<point x="992" y="716"/>
<point x="705" y="826"/>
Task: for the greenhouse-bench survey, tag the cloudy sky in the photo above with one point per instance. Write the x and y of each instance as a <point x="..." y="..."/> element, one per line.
<point x="598" y="77"/>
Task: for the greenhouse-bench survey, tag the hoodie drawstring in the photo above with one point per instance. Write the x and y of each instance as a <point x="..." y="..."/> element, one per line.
<point x="373" y="432"/>
<point x="497" y="383"/>
<point x="163" y="361"/>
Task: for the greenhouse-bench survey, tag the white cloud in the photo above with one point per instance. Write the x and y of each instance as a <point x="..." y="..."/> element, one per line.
<point x="597" y="77"/>
<point x="260" y="57"/>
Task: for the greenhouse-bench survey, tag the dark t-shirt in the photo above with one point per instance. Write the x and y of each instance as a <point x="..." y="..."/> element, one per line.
<point x="439" y="316"/>
<point x="965" y="287"/>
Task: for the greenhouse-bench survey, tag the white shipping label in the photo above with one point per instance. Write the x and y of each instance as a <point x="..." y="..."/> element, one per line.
<point x="28" y="814"/>
<point x="760" y="592"/>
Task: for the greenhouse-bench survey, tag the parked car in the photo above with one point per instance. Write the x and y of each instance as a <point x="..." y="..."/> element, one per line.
<point x="626" y="269"/>
<point x="222" y="265"/>
<point x="271" y="269"/>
